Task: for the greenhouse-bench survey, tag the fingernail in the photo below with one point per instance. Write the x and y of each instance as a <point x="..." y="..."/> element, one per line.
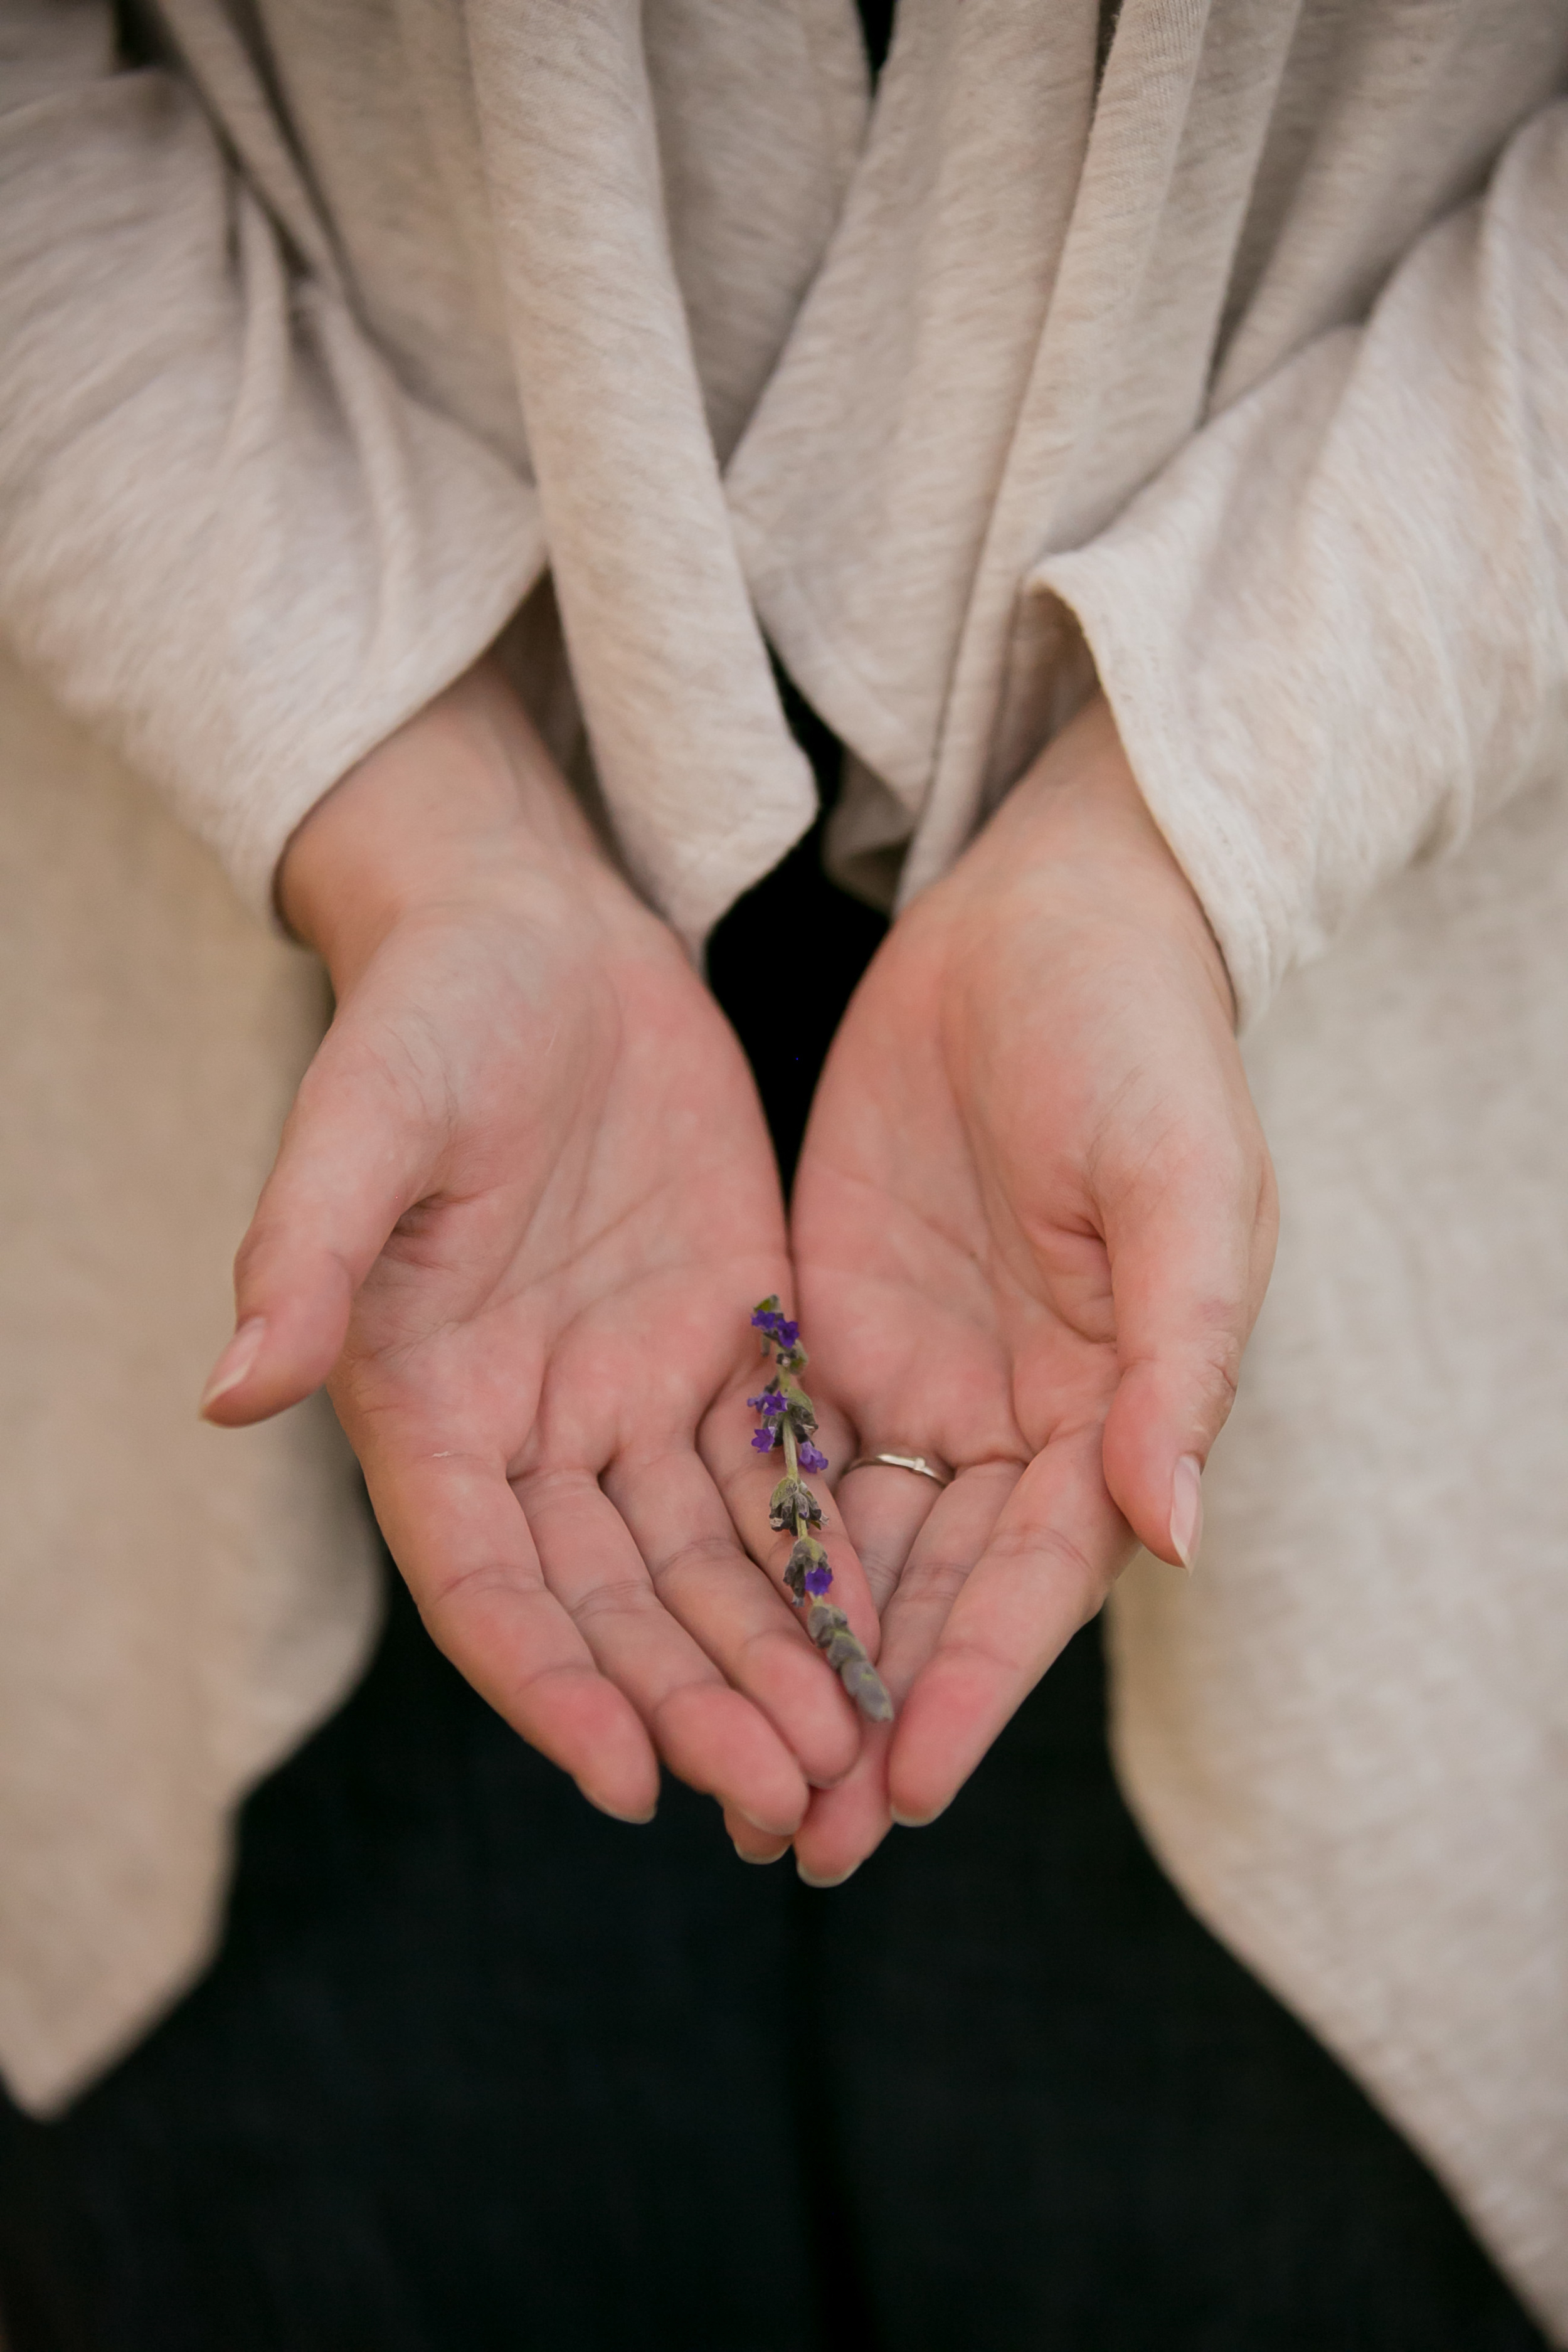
<point x="916" y="1820"/>
<point x="809" y="1878"/>
<point x="235" y="1362"/>
<point x="761" y="1858"/>
<point x="1187" y="1510"/>
<point x="636" y="1821"/>
<point x="768" y="1828"/>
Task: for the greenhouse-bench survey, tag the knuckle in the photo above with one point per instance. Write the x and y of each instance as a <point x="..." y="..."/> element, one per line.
<point x="1216" y="1355"/>
<point x="690" y="1555"/>
<point x="972" y="1650"/>
<point x="684" y="1712"/>
<point x="622" y="1596"/>
<point x="533" y="1686"/>
<point x="261" y="1237"/>
<point x="545" y="1484"/>
<point x="1036" y="1548"/>
<point x="784" y="1644"/>
<point x="457" y="1588"/>
<point x="935" y="1581"/>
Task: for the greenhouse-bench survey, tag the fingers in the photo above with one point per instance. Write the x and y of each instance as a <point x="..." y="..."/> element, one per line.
<point x="884" y="1510"/>
<point x="745" y="1481"/>
<point x="1189" y="1264"/>
<point x="847" y="1824"/>
<point x="954" y="1538"/>
<point x="842" y="1824"/>
<point x="543" y="1603"/>
<point x="464" y="1545"/>
<point x="353" y="1158"/>
<point x="1055" y="1546"/>
<point x="708" y="1733"/>
<point x="744" y="1622"/>
<point x="753" y="1844"/>
<point x="1006" y="1565"/>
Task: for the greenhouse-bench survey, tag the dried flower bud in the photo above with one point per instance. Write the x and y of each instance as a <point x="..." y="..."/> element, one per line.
<point x="806" y="1570"/>
<point x="791" y="1503"/>
<point x="846" y="1655"/>
<point x="801" y="1410"/>
<point x="866" y="1688"/>
<point x="788" y="1418"/>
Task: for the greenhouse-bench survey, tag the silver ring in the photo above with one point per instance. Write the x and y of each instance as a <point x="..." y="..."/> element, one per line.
<point x="916" y="1462"/>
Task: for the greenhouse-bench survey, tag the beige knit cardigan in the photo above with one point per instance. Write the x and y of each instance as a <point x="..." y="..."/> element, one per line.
<point x="1231" y="363"/>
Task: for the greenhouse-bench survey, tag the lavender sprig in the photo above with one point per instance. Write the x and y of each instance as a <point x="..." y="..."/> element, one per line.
<point x="786" y="1419"/>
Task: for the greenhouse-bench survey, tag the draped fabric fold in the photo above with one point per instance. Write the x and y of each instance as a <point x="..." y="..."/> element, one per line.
<point x="861" y="490"/>
<point x="1159" y="361"/>
<point x="668" y="660"/>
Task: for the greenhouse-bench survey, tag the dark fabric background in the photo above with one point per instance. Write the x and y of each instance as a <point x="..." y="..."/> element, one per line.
<point x="481" y="2071"/>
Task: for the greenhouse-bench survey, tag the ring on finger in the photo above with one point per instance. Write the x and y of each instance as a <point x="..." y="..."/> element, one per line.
<point x="918" y="1463"/>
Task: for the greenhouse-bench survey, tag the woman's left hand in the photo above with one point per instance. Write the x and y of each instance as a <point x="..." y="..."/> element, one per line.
<point x="1033" y="1222"/>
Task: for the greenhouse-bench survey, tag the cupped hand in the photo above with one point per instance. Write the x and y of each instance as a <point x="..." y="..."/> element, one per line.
<point x="522" y="1207"/>
<point x="1033" y="1224"/>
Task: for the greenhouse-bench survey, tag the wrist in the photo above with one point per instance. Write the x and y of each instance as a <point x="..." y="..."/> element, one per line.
<point x="461" y="800"/>
<point x="1078" y="832"/>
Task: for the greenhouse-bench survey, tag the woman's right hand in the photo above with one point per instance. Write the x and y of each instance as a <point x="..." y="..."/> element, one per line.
<point x="523" y="1204"/>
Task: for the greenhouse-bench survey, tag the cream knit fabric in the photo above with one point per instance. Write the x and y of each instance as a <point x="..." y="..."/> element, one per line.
<point x="175" y="1604"/>
<point x="1346" y="1736"/>
<point x="1242" y="362"/>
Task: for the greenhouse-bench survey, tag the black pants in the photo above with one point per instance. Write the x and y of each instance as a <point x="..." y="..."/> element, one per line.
<point x="478" y="2068"/>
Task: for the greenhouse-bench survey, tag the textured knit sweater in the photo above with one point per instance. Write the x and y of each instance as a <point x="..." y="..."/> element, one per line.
<point x="1229" y="365"/>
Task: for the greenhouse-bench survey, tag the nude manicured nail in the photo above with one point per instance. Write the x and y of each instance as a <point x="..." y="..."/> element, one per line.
<point x="809" y="1879"/>
<point x="1188" y="1509"/>
<point x="767" y="1829"/>
<point x="761" y="1860"/>
<point x="634" y="1820"/>
<point x="235" y="1362"/>
<point x="916" y="1820"/>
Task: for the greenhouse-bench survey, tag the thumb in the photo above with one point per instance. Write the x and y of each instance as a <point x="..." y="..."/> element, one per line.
<point x="353" y="1158"/>
<point x="1190" y="1261"/>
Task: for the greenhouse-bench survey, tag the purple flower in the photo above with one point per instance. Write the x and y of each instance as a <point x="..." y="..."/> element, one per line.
<point x="763" y="1440"/>
<point x="812" y="1457"/>
<point x="818" y="1579"/>
<point x="770" y="1404"/>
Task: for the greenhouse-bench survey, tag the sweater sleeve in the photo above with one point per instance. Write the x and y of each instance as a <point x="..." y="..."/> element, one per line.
<point x="230" y="541"/>
<point x="1334" y="629"/>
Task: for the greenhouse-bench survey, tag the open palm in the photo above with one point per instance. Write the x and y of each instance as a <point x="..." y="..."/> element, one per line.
<point x="1033" y="1224"/>
<point x="523" y="1205"/>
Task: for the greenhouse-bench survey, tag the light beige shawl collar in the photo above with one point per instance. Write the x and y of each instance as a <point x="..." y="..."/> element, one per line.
<point x="666" y="650"/>
<point x="931" y="660"/>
